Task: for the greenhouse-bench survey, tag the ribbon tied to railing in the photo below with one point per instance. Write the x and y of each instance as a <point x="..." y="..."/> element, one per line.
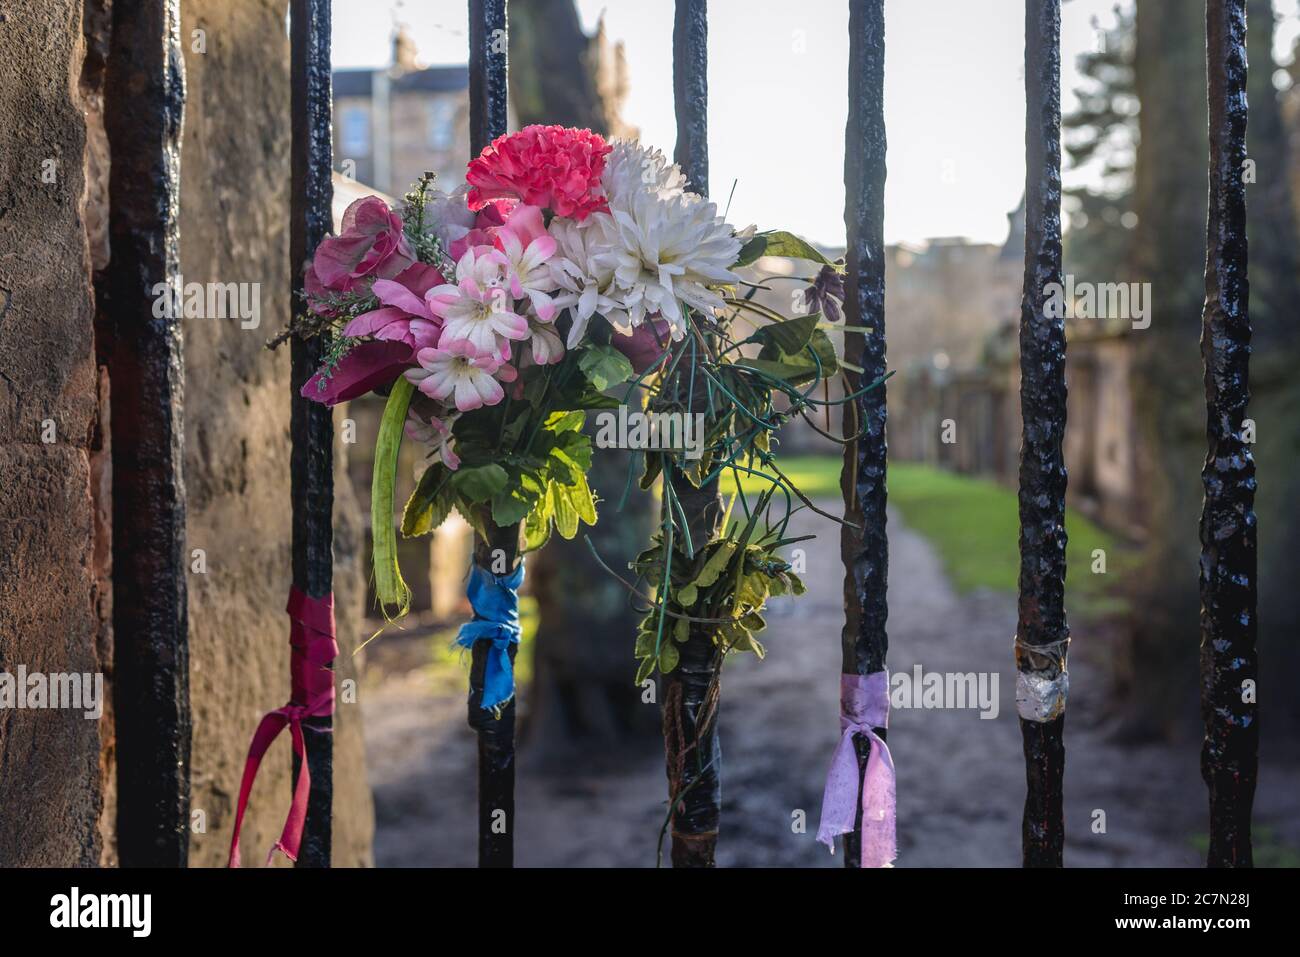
<point x="864" y="706"/>
<point x="312" y="638"/>
<point x="495" y="600"/>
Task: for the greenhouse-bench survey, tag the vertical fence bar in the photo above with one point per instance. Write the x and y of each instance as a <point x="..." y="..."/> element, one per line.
<point x="144" y="111"/>
<point x="864" y="548"/>
<point x="1042" y="635"/>
<point x="1229" y="664"/>
<point x="692" y="749"/>
<point x="488" y="65"/>
<point x="691" y="92"/>
<point x="311" y="424"/>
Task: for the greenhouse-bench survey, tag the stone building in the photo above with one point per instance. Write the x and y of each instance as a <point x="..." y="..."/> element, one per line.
<point x="393" y="123"/>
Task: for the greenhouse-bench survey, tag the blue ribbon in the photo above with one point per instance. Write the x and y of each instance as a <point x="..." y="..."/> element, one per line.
<point x="495" y="601"/>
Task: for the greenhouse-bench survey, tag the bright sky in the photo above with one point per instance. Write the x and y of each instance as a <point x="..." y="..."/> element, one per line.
<point x="954" y="99"/>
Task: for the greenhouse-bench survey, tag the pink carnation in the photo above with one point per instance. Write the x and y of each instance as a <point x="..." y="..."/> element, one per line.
<point x="555" y="167"/>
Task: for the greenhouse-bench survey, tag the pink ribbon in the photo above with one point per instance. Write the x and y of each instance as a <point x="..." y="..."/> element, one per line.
<point x="311" y="636"/>
<point x="864" y="706"/>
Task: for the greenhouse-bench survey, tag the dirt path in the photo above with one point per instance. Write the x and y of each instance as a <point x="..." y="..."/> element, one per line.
<point x="960" y="777"/>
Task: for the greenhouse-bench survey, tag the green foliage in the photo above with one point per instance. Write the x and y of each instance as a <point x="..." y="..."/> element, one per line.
<point x="722" y="588"/>
<point x="604" y="366"/>
<point x="390" y="587"/>
<point x="973" y="523"/>
<point x="543" y="485"/>
<point x="780" y="243"/>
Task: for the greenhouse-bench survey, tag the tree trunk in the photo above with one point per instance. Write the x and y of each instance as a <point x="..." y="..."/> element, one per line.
<point x="582" y="700"/>
<point x="1169" y="197"/>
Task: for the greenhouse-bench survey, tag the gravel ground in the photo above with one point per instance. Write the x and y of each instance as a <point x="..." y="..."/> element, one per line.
<point x="960" y="777"/>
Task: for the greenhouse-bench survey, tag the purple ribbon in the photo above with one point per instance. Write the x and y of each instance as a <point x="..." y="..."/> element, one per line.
<point x="864" y="706"/>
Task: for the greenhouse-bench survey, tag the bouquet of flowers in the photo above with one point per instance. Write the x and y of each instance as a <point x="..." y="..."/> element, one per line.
<point x="494" y="318"/>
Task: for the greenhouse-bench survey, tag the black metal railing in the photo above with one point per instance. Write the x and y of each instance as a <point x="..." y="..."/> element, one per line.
<point x="864" y="547"/>
<point x="488" y="74"/>
<point x="1229" y="664"/>
<point x="144" y="110"/>
<point x="311" y="424"/>
<point x="1042" y="635"/>
<point x="145" y="102"/>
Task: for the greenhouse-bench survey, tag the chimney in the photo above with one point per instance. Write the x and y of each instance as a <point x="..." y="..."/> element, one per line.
<point x="405" y="54"/>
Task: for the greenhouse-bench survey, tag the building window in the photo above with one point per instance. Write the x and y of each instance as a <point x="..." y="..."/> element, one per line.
<point x="442" y="124"/>
<point x="354" y="132"/>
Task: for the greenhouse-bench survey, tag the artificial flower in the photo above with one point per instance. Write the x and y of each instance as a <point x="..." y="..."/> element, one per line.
<point x="523" y="240"/>
<point x="366" y="366"/>
<point x="486" y="223"/>
<point x="372" y="243"/>
<point x="580" y="281"/>
<point x="477" y="309"/>
<point x="554" y="167"/>
<point x="631" y="168"/>
<point x="826" y="293"/>
<point x="462" y="374"/>
<point x="645" y="345"/>
<point x="435" y="432"/>
<point x="663" y="251"/>
<point x="450" y="214"/>
<point x="546" y="343"/>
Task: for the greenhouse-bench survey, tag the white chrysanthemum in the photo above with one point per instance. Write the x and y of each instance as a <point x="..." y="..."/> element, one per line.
<point x="631" y="168"/>
<point x="663" y="252"/>
<point x="581" y="282"/>
<point x="657" y="247"/>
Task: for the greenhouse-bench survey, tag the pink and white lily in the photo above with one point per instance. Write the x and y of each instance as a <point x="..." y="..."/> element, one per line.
<point x="434" y="432"/>
<point x="478" y="310"/>
<point x="528" y="249"/>
<point x="461" y="373"/>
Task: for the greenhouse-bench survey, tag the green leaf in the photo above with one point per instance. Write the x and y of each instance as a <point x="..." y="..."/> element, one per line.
<point x="645" y="642"/>
<point x="390" y="588"/>
<point x="565" y="421"/>
<point x="574" y="448"/>
<point x="795" y="373"/>
<point x="668" y="657"/>
<point x="563" y="512"/>
<point x="790" y="246"/>
<point x="790" y="336"/>
<point x="709" y="573"/>
<point x="752" y="250"/>
<point x="537" y="526"/>
<point x="584" y="502"/>
<point x="646" y="669"/>
<point x="480" y="483"/>
<point x="796" y="368"/>
<point x="516" y="501"/>
<point x="429" y="504"/>
<point x="604" y="366"/>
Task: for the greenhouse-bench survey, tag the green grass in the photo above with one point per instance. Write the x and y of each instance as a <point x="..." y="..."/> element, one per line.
<point x="1268" y="849"/>
<point x="974" y="525"/>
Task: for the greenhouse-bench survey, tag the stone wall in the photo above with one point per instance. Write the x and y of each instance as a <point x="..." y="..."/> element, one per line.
<point x="234" y="228"/>
<point x="56" y="770"/>
<point x="53" y="603"/>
